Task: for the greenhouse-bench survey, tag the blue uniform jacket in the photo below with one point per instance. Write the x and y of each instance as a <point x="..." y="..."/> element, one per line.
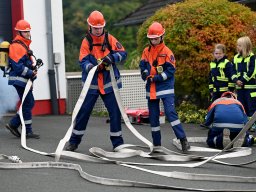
<point x="20" y="63"/>
<point x="226" y="113"/>
<point x="89" y="58"/>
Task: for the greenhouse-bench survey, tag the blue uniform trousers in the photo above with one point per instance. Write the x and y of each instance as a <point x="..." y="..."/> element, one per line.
<point x="249" y="103"/>
<point x="27" y="107"/>
<point x="170" y="113"/>
<point x="84" y="115"/>
<point x="215" y="138"/>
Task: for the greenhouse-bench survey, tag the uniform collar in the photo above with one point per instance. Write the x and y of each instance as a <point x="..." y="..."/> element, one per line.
<point x="221" y="60"/>
<point x="24" y="40"/>
<point x="158" y="47"/>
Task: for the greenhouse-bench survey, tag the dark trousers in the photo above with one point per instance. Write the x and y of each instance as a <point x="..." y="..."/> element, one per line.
<point x="171" y="114"/>
<point x="27" y="107"/>
<point x="84" y="115"/>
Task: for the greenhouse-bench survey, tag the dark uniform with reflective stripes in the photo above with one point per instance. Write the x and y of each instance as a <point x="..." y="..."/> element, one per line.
<point x="246" y="72"/>
<point x="222" y="77"/>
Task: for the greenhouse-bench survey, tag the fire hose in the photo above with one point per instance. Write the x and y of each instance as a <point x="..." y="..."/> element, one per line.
<point x="126" y="150"/>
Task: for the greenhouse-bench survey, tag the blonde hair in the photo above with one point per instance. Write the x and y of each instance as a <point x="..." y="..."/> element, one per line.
<point x="246" y="44"/>
<point x="220" y="47"/>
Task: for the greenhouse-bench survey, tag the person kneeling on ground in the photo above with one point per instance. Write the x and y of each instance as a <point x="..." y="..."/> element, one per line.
<point x="226" y="118"/>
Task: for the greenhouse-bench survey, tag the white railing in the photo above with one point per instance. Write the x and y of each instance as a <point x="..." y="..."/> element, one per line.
<point x="133" y="92"/>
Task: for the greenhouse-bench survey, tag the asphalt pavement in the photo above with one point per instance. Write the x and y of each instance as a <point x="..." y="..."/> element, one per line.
<point x="53" y="128"/>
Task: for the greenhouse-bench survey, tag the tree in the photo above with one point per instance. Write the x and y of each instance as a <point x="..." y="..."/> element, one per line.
<point x="75" y="14"/>
<point x="192" y="29"/>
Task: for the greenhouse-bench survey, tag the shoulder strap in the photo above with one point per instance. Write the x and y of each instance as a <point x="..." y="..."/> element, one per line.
<point x="106" y="41"/>
<point x="103" y="46"/>
<point x="21" y="43"/>
<point x="29" y="52"/>
<point x="149" y="48"/>
<point x="89" y="39"/>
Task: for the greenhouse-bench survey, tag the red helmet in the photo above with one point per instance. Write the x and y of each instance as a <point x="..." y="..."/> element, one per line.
<point x="96" y="19"/>
<point x="22" y="25"/>
<point x="229" y="95"/>
<point x="155" y="30"/>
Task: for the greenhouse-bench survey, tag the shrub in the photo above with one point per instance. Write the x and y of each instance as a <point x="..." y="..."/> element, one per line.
<point x="192" y="29"/>
<point x="190" y="113"/>
<point x="133" y="60"/>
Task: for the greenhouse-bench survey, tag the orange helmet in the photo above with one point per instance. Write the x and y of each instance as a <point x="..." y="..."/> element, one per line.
<point x="96" y="19"/>
<point x="22" y="25"/>
<point x="229" y="95"/>
<point x="155" y="30"/>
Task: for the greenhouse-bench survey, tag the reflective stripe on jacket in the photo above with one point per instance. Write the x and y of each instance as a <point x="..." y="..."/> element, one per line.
<point x="246" y="70"/>
<point x="159" y="62"/>
<point x="222" y="75"/>
<point x="20" y="63"/>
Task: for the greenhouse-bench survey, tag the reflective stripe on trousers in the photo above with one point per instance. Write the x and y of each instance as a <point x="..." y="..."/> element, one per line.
<point x="171" y="114"/>
<point x="84" y="115"/>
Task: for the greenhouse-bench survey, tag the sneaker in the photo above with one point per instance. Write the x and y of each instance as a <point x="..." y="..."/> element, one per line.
<point x="71" y="147"/>
<point x="239" y="142"/>
<point x="32" y="136"/>
<point x="184" y="145"/>
<point x="13" y="130"/>
<point x="226" y="139"/>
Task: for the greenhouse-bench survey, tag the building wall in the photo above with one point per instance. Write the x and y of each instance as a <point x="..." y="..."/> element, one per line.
<point x="35" y="13"/>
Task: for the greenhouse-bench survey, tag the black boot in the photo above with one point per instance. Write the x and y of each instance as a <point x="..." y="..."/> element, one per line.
<point x="32" y="136"/>
<point x="184" y="145"/>
<point x="13" y="130"/>
<point x="71" y="147"/>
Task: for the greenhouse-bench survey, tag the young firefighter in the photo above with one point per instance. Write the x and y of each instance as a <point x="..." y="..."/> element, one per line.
<point x="222" y="74"/>
<point x="157" y="67"/>
<point x="244" y="62"/>
<point x="98" y="44"/>
<point x="226" y="117"/>
<point x="22" y="69"/>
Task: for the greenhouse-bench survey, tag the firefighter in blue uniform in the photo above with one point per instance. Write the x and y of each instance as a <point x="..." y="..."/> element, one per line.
<point x="245" y="65"/>
<point x="22" y="69"/>
<point x="157" y="67"/>
<point x="98" y="44"/>
<point x="226" y="117"/>
<point x="222" y="76"/>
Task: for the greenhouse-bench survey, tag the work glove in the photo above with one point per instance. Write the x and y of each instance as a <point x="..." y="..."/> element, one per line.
<point x="39" y="63"/>
<point x="108" y="60"/>
<point x="150" y="78"/>
<point x="101" y="67"/>
<point x="34" y="75"/>
<point x="144" y="75"/>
